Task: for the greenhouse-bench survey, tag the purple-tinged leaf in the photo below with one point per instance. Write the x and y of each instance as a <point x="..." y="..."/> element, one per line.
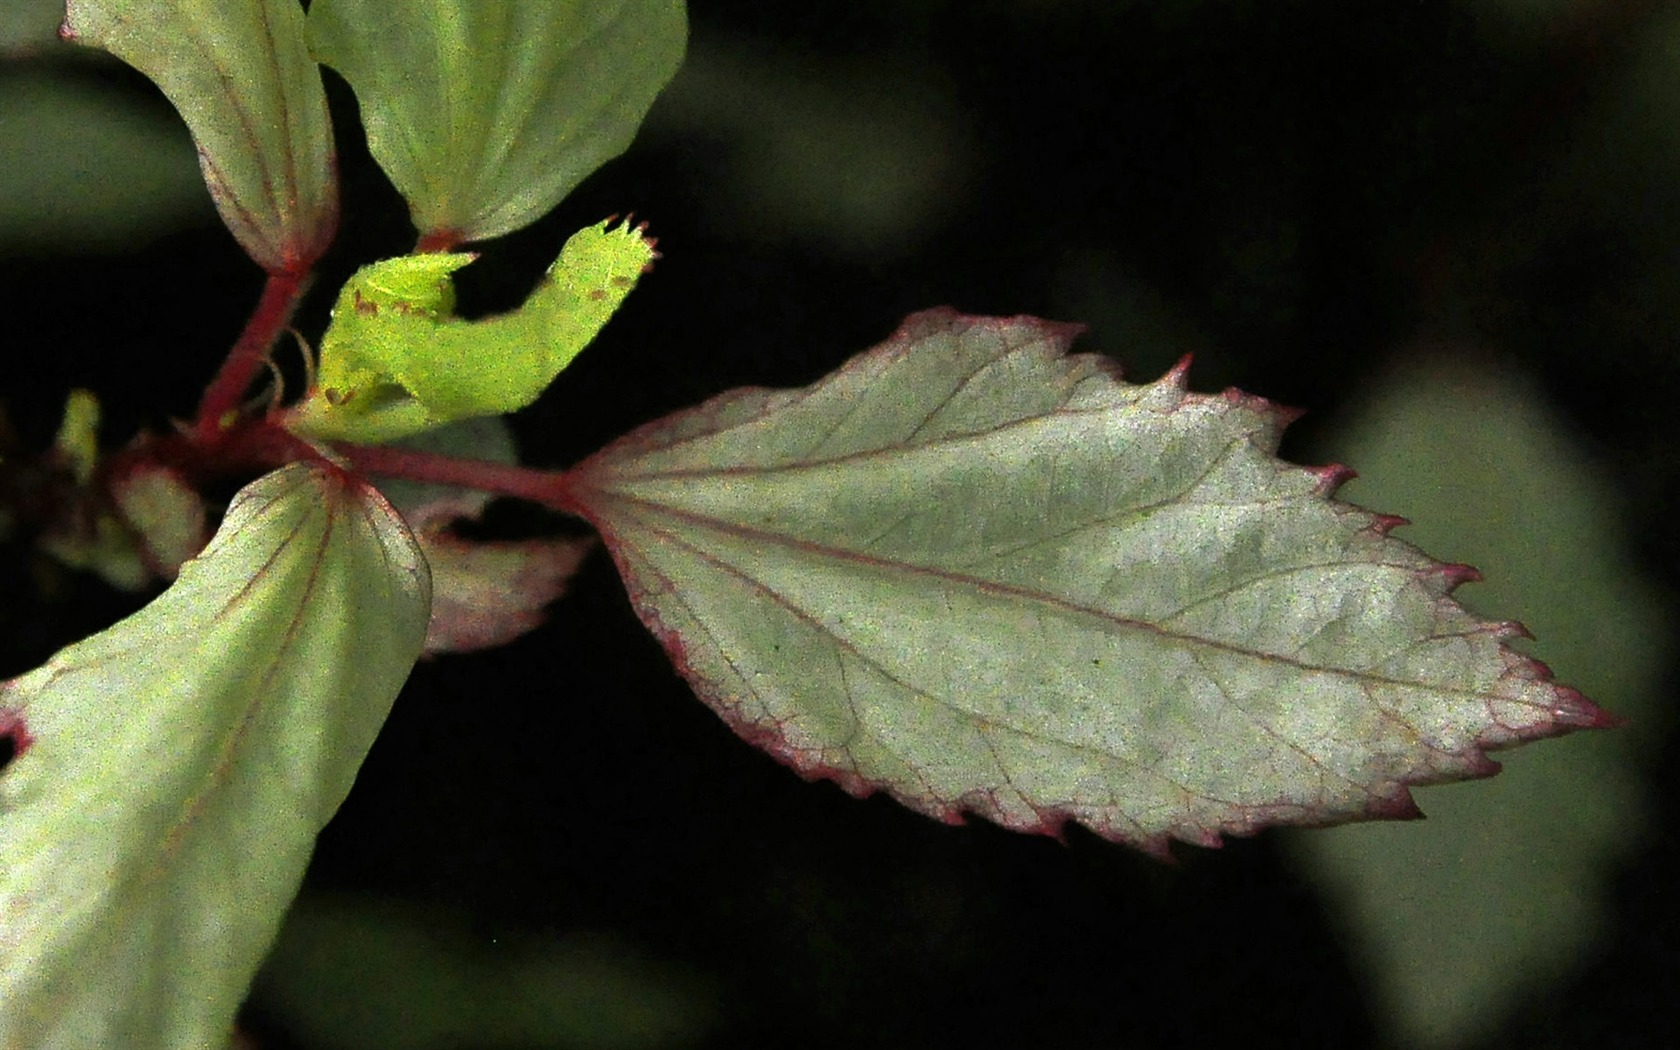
<point x="167" y="516"/>
<point x="484" y="594"/>
<point x="986" y="576"/>
<point x="487" y="594"/>
<point x="240" y="74"/>
<point x="160" y="808"/>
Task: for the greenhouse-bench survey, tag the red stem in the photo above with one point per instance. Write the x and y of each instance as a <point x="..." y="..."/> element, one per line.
<point x="225" y="393"/>
<point x="546" y="487"/>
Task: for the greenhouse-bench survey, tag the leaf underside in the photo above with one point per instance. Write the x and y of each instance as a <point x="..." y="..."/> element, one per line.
<point x="485" y="115"/>
<point x="240" y="74"/>
<point x="180" y="764"/>
<point x="986" y="576"/>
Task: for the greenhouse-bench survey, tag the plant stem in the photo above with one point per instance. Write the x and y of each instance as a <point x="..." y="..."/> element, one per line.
<point x="273" y="310"/>
<point x="546" y="487"/>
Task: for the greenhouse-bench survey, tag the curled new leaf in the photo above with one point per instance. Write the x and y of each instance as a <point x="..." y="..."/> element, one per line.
<point x="987" y="576"/>
<point x="240" y="74"/>
<point x="485" y="115"/>
<point x="394" y="361"/>
<point x="179" y="765"/>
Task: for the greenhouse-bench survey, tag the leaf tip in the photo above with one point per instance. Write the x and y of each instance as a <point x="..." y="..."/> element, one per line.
<point x="1572" y="710"/>
<point x="1453" y="575"/>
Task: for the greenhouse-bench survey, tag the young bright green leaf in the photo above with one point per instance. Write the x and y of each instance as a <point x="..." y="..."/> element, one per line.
<point x="240" y="74"/>
<point x="485" y="115"/>
<point x="394" y="361"/>
<point x="177" y="768"/>
<point x="985" y="576"/>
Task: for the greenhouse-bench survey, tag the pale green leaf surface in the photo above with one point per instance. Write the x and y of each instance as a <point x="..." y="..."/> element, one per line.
<point x="985" y="576"/>
<point x="240" y="74"/>
<point x="485" y="115"/>
<point x="1463" y="919"/>
<point x="179" y="765"/>
<point x="396" y="362"/>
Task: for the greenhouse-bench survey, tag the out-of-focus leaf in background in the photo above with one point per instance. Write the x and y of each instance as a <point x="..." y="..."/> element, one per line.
<point x="1462" y="918"/>
<point x="28" y="26"/>
<point x="87" y="168"/>
<point x="852" y="156"/>
<point x="370" y="974"/>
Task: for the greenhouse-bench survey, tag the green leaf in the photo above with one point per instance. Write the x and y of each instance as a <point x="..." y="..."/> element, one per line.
<point x="350" y="974"/>
<point x="178" y="766"/>
<point x="395" y="362"/>
<point x="62" y="138"/>
<point x="1464" y="921"/>
<point x="240" y="74"/>
<point x="485" y="115"/>
<point x="985" y="576"/>
<point x="27" y="27"/>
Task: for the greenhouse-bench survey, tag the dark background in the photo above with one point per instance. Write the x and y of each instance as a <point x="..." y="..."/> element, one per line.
<point x="1293" y="190"/>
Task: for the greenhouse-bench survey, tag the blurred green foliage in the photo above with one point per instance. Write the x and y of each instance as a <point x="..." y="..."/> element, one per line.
<point x="360" y="974"/>
<point x="1463" y="918"/>
<point x="1302" y="193"/>
<point x="89" y="168"/>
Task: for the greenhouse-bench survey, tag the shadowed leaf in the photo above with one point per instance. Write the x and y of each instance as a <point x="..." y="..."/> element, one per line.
<point x="240" y="74"/>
